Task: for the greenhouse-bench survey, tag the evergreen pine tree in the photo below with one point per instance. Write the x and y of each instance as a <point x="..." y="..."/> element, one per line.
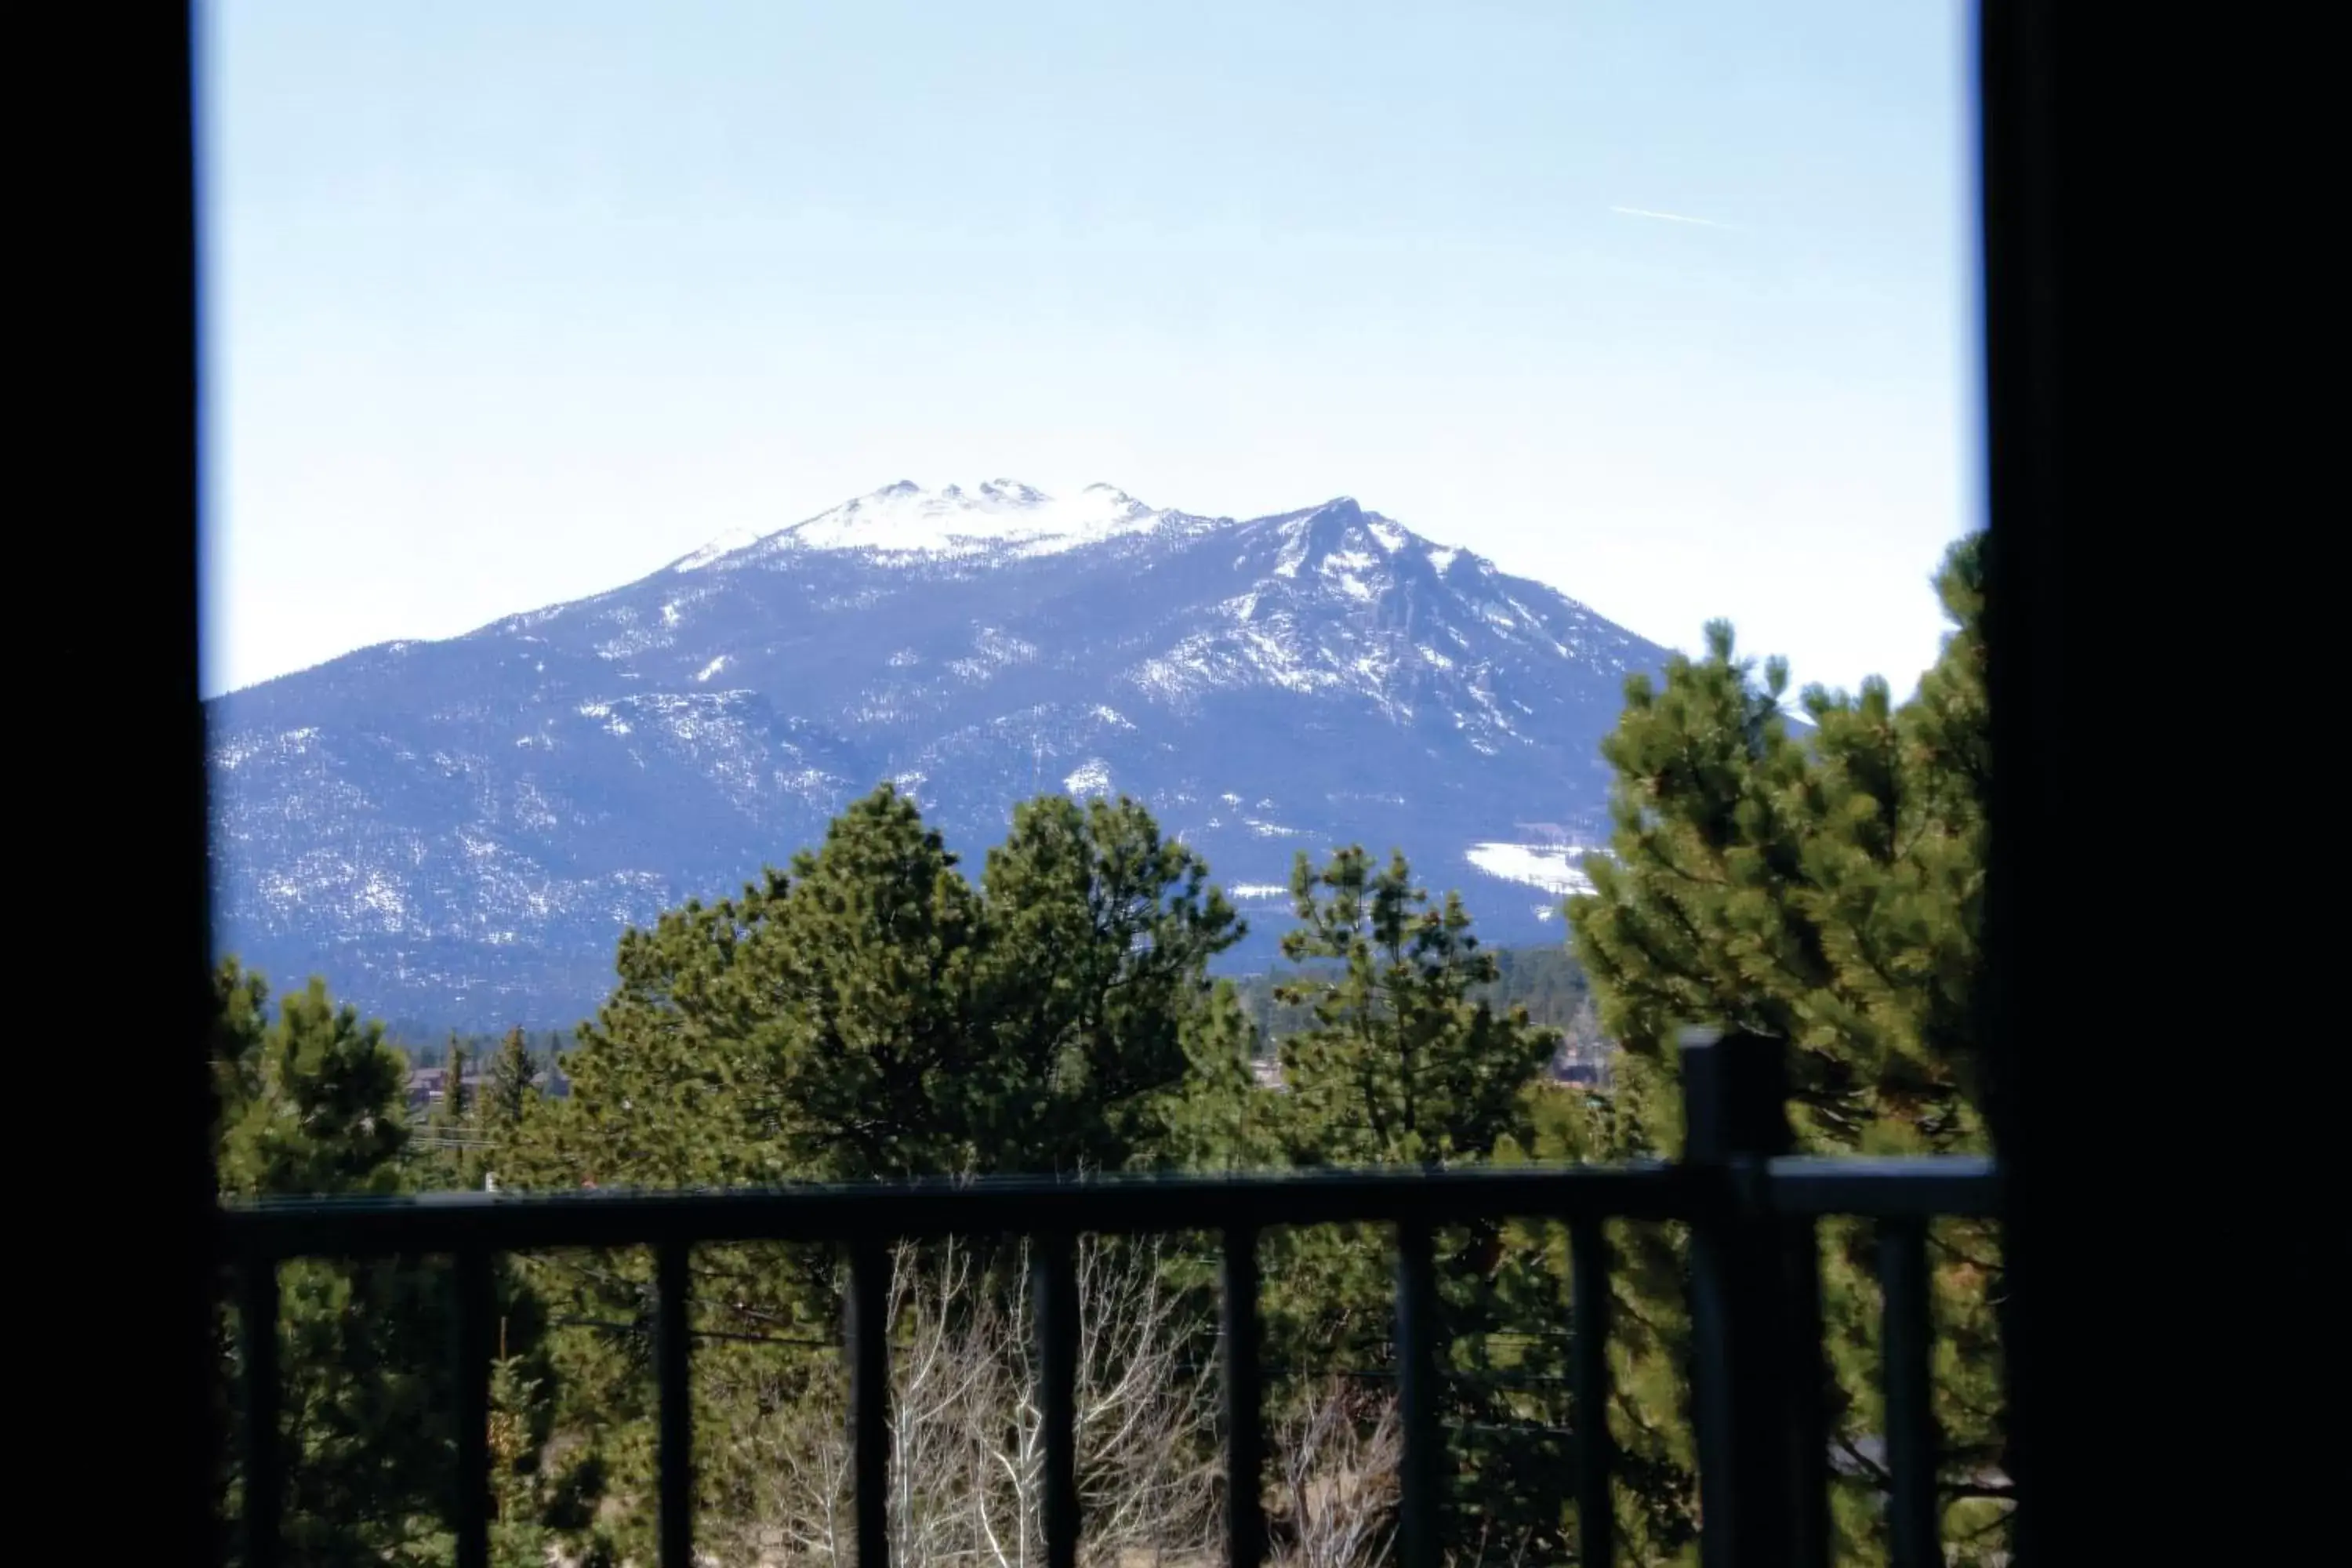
<point x="1827" y="891"/>
<point x="1405" y="1060"/>
<point x="508" y="1091"/>
<point x="310" y="1103"/>
<point x="871" y="1061"/>
<point x="873" y="1014"/>
<point x="1099" y="933"/>
<point x="457" y="1110"/>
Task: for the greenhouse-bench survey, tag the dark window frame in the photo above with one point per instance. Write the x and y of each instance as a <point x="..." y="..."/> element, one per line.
<point x="151" y="188"/>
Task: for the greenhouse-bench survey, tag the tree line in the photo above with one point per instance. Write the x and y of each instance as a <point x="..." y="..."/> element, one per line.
<point x="427" y="1046"/>
<point x="876" y="1010"/>
<point x="1547" y="983"/>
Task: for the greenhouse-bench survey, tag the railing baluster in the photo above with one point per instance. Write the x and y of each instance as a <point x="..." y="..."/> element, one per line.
<point x="1245" y="1391"/>
<point x="869" y="1396"/>
<point x="475" y="1305"/>
<point x="1596" y="1521"/>
<point x="1743" y="1413"/>
<point x="1416" y="1312"/>
<point x="1904" y="1339"/>
<point x="265" y="1477"/>
<point x="673" y="1355"/>
<point x="1809" y="1377"/>
<point x="1054" y="1282"/>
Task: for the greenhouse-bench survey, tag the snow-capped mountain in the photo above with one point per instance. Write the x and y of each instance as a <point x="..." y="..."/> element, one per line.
<point x="460" y="830"/>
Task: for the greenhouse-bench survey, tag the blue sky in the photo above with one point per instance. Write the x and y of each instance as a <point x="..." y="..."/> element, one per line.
<point x="509" y="302"/>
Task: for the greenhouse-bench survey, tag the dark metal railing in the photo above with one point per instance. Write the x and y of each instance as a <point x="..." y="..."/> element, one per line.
<point x="1756" y="1311"/>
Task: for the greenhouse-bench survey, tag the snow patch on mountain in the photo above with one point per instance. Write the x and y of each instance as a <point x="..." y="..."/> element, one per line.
<point x="1555" y="867"/>
<point x="906" y="520"/>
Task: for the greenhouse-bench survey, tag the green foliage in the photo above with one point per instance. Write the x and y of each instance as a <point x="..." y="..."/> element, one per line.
<point x="1399" y="1065"/>
<point x="1829" y="894"/>
<point x="427" y="1046"/>
<point x="1829" y="891"/>
<point x="1402" y="1060"/>
<point x="868" y="1054"/>
<point x="870" y="1013"/>
<point x="1098" y="941"/>
<point x="509" y="1093"/>
<point x="1546" y="981"/>
<point x="1221" y="1120"/>
<point x="310" y="1102"/>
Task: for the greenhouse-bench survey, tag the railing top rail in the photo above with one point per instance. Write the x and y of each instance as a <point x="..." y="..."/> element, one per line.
<point x="449" y="1222"/>
<point x="1910" y="1188"/>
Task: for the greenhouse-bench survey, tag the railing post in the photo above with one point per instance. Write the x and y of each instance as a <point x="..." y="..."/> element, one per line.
<point x="264" y="1476"/>
<point x="1416" y="1333"/>
<point x="477" y="1304"/>
<point x="868" y="1339"/>
<point x="1906" y="1339"/>
<point x="673" y="1363"/>
<point x="1756" y="1317"/>
<point x="1244" y="1387"/>
<point x="1054" y="1279"/>
<point x="1596" y="1518"/>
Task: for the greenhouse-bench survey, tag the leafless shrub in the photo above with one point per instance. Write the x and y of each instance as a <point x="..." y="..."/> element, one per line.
<point x="1336" y="1456"/>
<point x="967" y="1437"/>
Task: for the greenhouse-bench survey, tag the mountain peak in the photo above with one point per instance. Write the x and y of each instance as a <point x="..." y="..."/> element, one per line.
<point x="1265" y="685"/>
<point x="905" y="521"/>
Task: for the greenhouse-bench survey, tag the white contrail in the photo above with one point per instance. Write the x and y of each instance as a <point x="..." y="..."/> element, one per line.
<point x="1669" y="218"/>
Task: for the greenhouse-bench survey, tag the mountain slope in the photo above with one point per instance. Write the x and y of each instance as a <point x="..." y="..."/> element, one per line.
<point x="460" y="830"/>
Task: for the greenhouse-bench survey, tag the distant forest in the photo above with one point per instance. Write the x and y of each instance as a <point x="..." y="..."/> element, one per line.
<point x="428" y="1046"/>
<point x="1546" y="981"/>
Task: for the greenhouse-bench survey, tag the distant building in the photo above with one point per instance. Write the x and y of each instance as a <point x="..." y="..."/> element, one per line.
<point x="424" y="1086"/>
<point x="1584" y="1063"/>
<point x="428" y="1086"/>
